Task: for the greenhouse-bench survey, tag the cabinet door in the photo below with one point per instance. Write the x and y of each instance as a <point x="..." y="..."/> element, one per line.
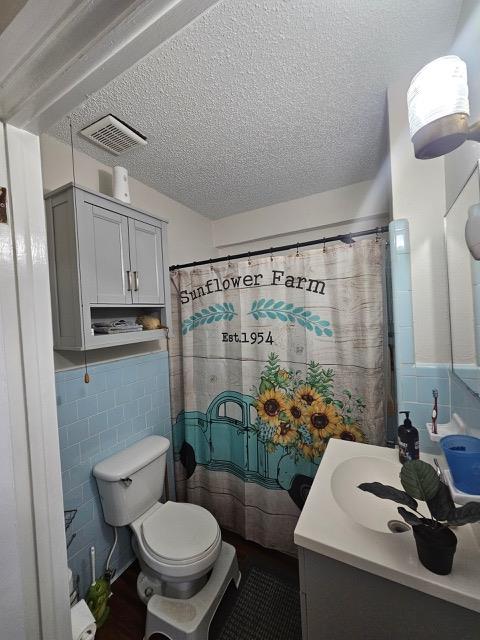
<point x="147" y="263"/>
<point x="112" y="260"/>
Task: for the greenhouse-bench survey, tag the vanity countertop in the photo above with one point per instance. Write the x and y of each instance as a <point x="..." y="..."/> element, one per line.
<point x="325" y="528"/>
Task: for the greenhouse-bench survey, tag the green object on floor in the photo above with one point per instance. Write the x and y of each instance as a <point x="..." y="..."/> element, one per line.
<point x="98" y="594"/>
<point x="97" y="600"/>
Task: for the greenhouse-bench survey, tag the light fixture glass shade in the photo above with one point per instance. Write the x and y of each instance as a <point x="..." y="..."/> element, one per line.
<point x="439" y="89"/>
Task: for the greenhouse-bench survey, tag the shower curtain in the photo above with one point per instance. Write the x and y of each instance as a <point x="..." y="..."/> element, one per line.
<point x="269" y="359"/>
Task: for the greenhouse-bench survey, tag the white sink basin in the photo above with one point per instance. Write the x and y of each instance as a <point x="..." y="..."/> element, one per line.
<point x="365" y="508"/>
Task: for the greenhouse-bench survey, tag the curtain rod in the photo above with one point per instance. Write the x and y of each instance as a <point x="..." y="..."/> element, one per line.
<point x="347" y="238"/>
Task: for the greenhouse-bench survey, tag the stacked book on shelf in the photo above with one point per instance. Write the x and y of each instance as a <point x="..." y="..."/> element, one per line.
<point x="115" y="326"/>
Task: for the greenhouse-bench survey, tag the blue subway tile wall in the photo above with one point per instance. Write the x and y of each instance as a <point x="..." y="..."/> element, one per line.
<point x="415" y="381"/>
<point x="414" y="394"/>
<point x="125" y="401"/>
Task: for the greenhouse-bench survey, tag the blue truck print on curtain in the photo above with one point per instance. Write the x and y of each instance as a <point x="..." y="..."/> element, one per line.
<point x="275" y="437"/>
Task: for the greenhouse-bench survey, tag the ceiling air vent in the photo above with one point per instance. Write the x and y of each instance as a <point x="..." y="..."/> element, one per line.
<point x="112" y="134"/>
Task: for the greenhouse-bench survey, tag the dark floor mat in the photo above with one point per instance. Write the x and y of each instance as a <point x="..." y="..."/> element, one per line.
<point x="267" y="608"/>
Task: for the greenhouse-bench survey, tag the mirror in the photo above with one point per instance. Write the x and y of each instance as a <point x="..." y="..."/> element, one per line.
<point x="464" y="288"/>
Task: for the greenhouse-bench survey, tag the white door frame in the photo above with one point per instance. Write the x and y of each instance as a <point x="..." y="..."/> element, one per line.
<point x="28" y="356"/>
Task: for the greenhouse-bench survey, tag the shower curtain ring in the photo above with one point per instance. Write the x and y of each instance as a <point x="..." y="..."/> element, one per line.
<point x="324" y="245"/>
<point x="377" y="234"/>
<point x="297" y="254"/>
<point x="229" y="263"/>
<point x="249" y="260"/>
<point x="271" y="254"/>
<point x="211" y="265"/>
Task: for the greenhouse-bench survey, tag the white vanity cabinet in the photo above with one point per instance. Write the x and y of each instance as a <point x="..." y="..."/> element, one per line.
<point x="361" y="580"/>
<point x="107" y="260"/>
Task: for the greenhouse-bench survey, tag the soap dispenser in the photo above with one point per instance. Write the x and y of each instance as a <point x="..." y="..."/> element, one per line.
<point x="408" y="442"/>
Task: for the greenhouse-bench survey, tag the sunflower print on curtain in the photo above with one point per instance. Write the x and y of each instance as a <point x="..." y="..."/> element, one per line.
<point x="269" y="360"/>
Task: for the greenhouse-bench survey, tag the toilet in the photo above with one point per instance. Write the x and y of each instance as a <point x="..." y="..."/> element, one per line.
<point x="178" y="545"/>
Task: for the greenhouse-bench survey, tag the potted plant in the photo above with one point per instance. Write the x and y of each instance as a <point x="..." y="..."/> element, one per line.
<point x="436" y="542"/>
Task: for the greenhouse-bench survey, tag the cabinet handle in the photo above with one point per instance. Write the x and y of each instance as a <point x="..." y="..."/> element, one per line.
<point x="137" y="281"/>
<point x="129" y="280"/>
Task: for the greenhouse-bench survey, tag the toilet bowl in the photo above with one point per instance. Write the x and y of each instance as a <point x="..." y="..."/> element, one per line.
<point x="177" y="544"/>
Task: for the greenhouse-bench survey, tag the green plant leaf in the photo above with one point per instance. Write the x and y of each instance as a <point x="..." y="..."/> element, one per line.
<point x="419" y="479"/>
<point x="386" y="492"/>
<point x="265" y="385"/>
<point x="441" y="505"/>
<point x="410" y="518"/>
<point x="468" y="514"/>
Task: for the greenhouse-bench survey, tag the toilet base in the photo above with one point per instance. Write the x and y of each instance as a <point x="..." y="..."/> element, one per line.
<point x="149" y="584"/>
<point x="190" y="619"/>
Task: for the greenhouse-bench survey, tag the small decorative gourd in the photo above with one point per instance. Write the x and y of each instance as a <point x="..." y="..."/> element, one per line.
<point x="149" y="322"/>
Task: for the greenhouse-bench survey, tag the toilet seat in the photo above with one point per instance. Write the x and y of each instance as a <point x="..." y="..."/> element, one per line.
<point x="179" y="541"/>
<point x="179" y="533"/>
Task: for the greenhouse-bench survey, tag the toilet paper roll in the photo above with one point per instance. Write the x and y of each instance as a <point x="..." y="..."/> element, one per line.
<point x="83" y="623"/>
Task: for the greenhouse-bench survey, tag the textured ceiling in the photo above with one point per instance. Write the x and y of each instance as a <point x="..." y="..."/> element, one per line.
<point x="262" y="101"/>
<point x="9" y="10"/>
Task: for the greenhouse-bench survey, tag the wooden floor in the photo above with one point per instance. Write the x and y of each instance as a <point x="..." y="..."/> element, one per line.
<point x="127" y="615"/>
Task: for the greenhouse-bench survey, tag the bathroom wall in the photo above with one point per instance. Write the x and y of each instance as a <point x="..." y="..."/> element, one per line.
<point x="353" y="208"/>
<point x="418" y="195"/>
<point x="419" y="276"/>
<point x="125" y="401"/>
<point x="415" y="380"/>
<point x="189" y="233"/>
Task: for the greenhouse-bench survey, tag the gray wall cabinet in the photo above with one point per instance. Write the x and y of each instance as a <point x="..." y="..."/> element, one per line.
<point x="107" y="260"/>
<point x="146" y="262"/>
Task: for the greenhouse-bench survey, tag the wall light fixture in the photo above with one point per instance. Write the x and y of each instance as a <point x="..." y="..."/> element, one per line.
<point x="438" y="108"/>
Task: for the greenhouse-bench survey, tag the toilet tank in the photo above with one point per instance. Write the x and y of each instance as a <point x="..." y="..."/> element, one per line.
<point x="131" y="481"/>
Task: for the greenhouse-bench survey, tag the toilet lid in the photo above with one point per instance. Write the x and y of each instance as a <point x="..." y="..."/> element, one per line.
<point x="177" y="532"/>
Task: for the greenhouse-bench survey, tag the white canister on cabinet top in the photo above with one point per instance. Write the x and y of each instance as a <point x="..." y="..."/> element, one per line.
<point x="121" y="190"/>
